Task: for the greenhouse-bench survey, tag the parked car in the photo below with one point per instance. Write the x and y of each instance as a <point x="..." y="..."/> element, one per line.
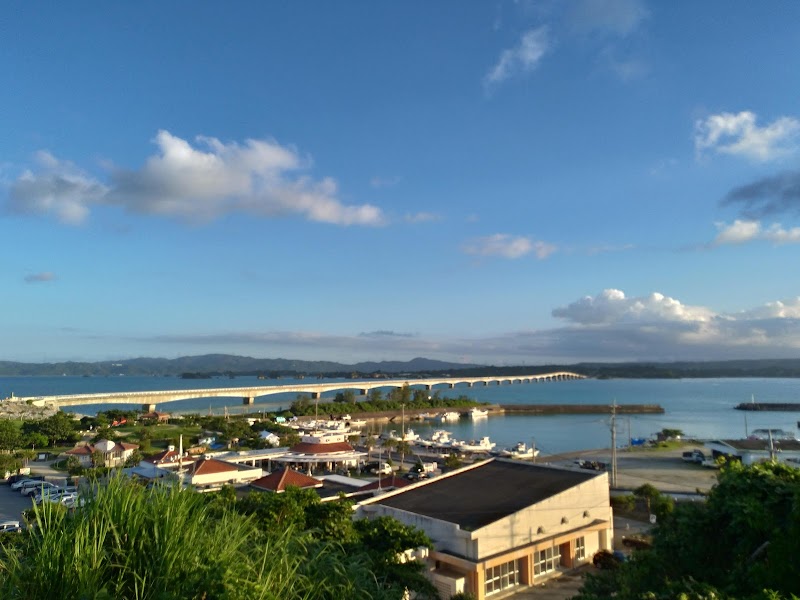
<point x="605" y="559"/>
<point x="35" y="487"/>
<point x="18" y="483"/>
<point x="416" y="475"/>
<point x="10" y="527"/>
<point x="694" y="456"/>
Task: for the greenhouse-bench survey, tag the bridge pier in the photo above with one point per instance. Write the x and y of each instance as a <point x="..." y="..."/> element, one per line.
<point x="148" y="408"/>
<point x="363" y="392"/>
<point x="249" y="400"/>
<point x="316" y="395"/>
<point x="451" y="385"/>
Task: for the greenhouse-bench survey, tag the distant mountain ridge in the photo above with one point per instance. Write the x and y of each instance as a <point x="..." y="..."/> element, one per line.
<point x="227" y="364"/>
<point x="221" y="364"/>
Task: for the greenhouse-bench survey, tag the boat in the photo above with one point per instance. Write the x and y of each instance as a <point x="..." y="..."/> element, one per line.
<point x="775" y="434"/>
<point x="408" y="436"/>
<point x="520" y="450"/>
<point x="477" y="413"/>
<point x="449" y="416"/>
<point x="482" y="445"/>
<point x="438" y="438"/>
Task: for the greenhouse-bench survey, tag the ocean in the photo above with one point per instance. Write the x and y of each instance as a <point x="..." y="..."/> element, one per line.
<point x="701" y="408"/>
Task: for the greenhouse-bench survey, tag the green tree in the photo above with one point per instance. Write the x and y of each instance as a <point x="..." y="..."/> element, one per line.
<point x="375" y="395"/>
<point x="741" y="543"/>
<point x="10" y="435"/>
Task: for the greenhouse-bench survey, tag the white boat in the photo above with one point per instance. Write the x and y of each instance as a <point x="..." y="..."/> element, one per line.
<point x="482" y="445"/>
<point x="520" y="450"/>
<point x="477" y="413"/>
<point x="438" y="438"/>
<point x="408" y="436"/>
<point x="449" y="416"/>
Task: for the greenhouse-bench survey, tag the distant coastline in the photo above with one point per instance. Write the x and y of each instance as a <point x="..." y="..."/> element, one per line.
<point x="231" y="366"/>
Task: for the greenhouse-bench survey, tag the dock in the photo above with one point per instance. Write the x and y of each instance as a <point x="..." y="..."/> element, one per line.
<point x="582" y="409"/>
<point x="769" y="406"/>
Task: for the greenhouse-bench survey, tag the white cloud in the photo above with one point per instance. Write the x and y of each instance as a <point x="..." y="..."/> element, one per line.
<point x="612" y="306"/>
<point x="738" y="135"/>
<point x="193" y="183"/>
<point x="508" y="246"/>
<point x="620" y="17"/>
<point x="59" y="188"/>
<point x="522" y="58"/>
<point x="741" y="232"/>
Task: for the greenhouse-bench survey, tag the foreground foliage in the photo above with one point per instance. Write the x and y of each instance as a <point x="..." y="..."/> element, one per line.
<point x="164" y="544"/>
<point x="742" y="544"/>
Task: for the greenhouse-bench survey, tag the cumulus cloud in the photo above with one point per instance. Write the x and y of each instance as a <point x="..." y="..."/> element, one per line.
<point x="508" y="246"/>
<point x="58" y="188"/>
<point x="40" y="277"/>
<point x="619" y="17"/>
<point x="521" y="59"/>
<point x="612" y="306"/>
<point x="199" y="182"/>
<point x="742" y="232"/>
<point x="738" y="135"/>
<point x="767" y="196"/>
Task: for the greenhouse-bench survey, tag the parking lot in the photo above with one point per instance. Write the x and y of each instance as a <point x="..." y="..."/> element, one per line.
<point x="12" y="503"/>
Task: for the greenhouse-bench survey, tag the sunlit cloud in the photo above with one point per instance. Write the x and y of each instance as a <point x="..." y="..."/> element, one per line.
<point x="742" y="232"/>
<point x="197" y="182"/>
<point x="739" y="135"/>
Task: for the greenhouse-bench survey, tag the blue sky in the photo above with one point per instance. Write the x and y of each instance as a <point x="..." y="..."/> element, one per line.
<point x="492" y="182"/>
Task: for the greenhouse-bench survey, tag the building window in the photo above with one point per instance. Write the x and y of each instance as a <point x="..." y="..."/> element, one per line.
<point x="580" y="549"/>
<point x="546" y="561"/>
<point x="502" y="577"/>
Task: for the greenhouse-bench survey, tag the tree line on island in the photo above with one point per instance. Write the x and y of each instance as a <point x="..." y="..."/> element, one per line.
<point x="223" y="365"/>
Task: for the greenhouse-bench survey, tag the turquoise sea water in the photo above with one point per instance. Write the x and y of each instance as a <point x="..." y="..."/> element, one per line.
<point x="702" y="408"/>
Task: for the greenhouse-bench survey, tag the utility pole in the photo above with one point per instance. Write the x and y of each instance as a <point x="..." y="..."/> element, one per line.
<point x="772" y="454"/>
<point x="614" y="443"/>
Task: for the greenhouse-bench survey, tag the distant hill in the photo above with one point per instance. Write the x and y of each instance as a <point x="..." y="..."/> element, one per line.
<point x="227" y="364"/>
<point x="219" y="364"/>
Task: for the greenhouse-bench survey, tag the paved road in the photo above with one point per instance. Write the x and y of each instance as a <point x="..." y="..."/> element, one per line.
<point x="12" y="503"/>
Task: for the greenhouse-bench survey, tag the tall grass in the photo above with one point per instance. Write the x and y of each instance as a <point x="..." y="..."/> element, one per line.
<point x="159" y="544"/>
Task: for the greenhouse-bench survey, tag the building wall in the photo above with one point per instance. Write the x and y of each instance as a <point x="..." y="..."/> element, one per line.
<point x="565" y="512"/>
<point x="229" y="477"/>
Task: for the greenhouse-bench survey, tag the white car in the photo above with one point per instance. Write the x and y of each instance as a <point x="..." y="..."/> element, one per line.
<point x="18" y="484"/>
<point x="10" y="527"/>
<point x="34" y="487"/>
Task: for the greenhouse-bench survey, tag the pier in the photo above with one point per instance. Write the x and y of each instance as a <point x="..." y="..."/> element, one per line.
<point x="769" y="406"/>
<point x="582" y="409"/>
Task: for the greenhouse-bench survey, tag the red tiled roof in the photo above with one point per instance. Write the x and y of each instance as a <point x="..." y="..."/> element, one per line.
<point x="78" y="450"/>
<point x="279" y="480"/>
<point x="209" y="466"/>
<point x="312" y="448"/>
<point x="392" y="481"/>
<point x="128" y="446"/>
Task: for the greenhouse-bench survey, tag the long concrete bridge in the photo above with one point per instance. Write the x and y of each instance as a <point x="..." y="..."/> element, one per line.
<point x="149" y="400"/>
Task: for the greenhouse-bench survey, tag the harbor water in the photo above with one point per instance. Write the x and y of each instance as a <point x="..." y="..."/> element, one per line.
<point x="701" y="408"/>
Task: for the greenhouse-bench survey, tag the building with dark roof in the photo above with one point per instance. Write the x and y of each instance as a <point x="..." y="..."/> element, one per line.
<point x="279" y="480"/>
<point x="501" y="524"/>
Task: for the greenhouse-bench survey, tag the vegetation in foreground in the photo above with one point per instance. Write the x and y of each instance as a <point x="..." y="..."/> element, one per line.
<point x="129" y="542"/>
<point x="743" y="543"/>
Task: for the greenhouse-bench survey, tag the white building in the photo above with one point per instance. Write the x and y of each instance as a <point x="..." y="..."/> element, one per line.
<point x="502" y="524"/>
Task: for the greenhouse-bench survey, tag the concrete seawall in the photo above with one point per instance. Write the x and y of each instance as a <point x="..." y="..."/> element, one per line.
<point x="581" y="409"/>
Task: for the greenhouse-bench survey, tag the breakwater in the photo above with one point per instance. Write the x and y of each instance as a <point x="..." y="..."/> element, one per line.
<point x="582" y="409"/>
<point x="773" y="406"/>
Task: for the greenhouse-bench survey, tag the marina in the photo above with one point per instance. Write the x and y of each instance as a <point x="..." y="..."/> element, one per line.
<point x="700" y="408"/>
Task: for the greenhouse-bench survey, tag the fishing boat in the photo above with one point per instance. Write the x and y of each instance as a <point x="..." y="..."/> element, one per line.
<point x="408" y="436"/>
<point x="520" y="450"/>
<point x="482" y="445"/>
<point x="477" y="413"/>
<point x="449" y="416"/>
<point x="438" y="438"/>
